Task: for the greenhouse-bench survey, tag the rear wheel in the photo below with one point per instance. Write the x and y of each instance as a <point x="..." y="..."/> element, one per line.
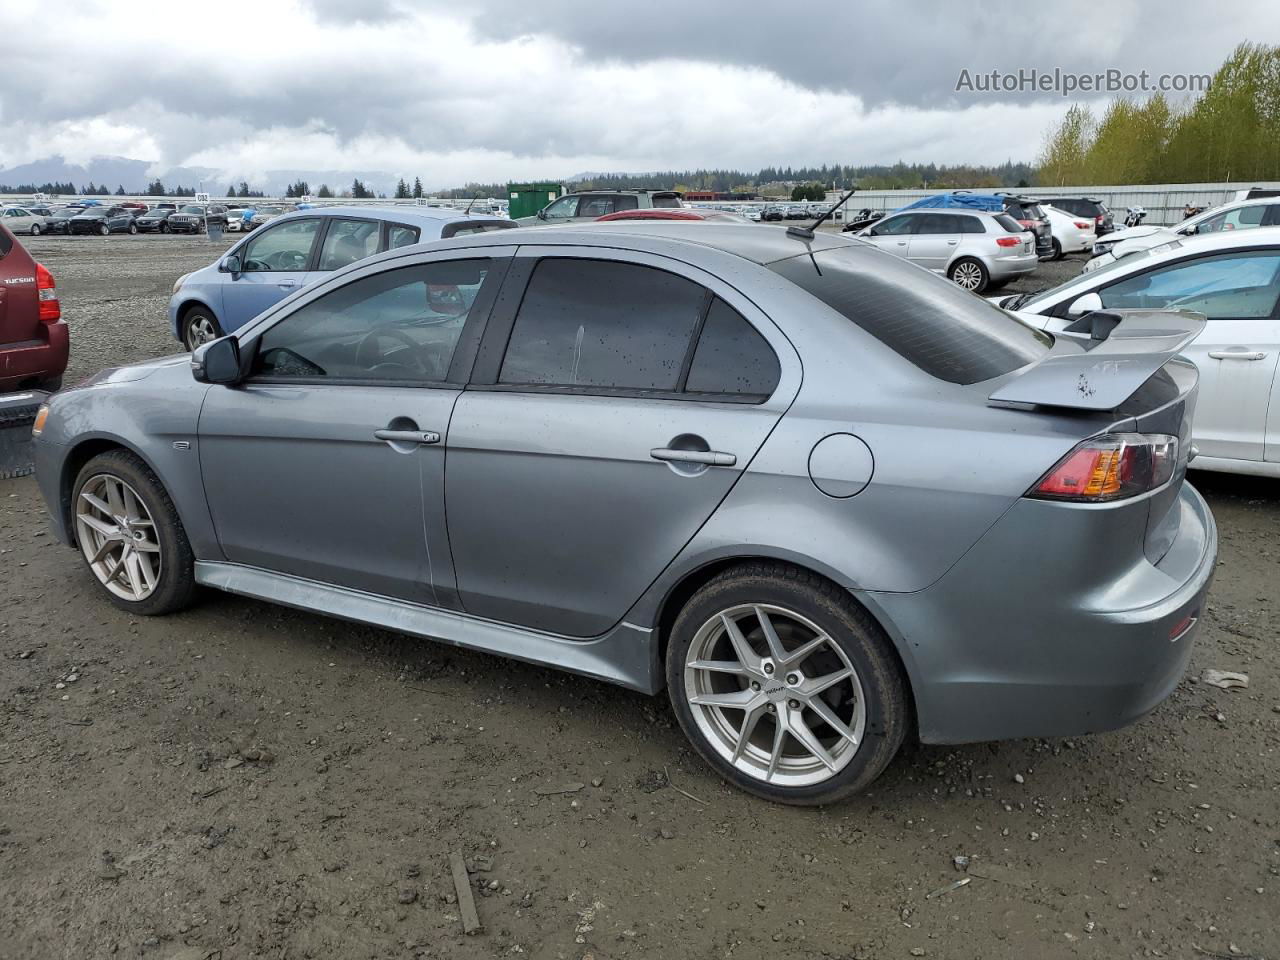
<point x="164" y="227"/>
<point x="133" y="228"/>
<point x="969" y="274"/>
<point x="104" y="229"/>
<point x="130" y="535"/>
<point x="36" y="230"/>
<point x="1057" y="249"/>
<point x="199" y="327"/>
<point x="785" y="685"/>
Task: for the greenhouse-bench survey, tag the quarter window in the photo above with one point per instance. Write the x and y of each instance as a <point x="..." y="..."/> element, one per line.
<point x="731" y="357"/>
<point x="596" y="323"/>
<point x="286" y="247"/>
<point x="398" y="325"/>
<point x="399" y="235"/>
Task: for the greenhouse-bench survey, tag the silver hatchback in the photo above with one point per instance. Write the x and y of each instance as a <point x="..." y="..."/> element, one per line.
<point x="976" y="250"/>
<point x="792" y="479"/>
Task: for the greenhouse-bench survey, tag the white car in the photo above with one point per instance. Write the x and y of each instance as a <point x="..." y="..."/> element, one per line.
<point x="1233" y="279"/>
<point x="21" y="220"/>
<point x="1244" y="215"/>
<point x="1071" y="234"/>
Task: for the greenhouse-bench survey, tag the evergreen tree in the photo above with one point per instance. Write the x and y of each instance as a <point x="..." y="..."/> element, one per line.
<point x="402" y="190"/>
<point x="417" y="188"/>
<point x="324" y="191"/>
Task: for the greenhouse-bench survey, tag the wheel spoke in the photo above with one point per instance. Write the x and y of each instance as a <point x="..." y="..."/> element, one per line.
<point x="114" y="498"/>
<point x="116" y="566"/>
<point x="798" y="655"/>
<point x="776" y="649"/>
<point x="737" y="700"/>
<point x="96" y="502"/>
<point x="829" y="717"/>
<point x="775" y="755"/>
<point x="146" y="569"/>
<point x="800" y="730"/>
<point x="750" y="659"/>
<point x="106" y="547"/>
<point x="749" y="724"/>
<point x="133" y="572"/>
<point x="720" y="666"/>
<point x="815" y="685"/>
<point x="108" y="530"/>
<point x="146" y="546"/>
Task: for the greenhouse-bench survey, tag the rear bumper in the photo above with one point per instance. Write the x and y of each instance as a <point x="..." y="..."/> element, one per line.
<point x="1009" y="644"/>
<point x="34" y="360"/>
<point x="1004" y="268"/>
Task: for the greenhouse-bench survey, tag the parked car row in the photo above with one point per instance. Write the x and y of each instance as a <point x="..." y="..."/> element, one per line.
<point x="135" y="217"/>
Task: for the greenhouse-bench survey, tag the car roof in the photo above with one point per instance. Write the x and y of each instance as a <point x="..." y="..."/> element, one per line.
<point x="419" y="216"/>
<point x="759" y="244"/>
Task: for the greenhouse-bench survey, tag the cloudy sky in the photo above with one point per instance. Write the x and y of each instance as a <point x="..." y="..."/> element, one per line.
<point x="498" y="89"/>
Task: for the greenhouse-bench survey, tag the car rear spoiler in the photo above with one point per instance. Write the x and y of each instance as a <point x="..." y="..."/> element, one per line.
<point x="1103" y="359"/>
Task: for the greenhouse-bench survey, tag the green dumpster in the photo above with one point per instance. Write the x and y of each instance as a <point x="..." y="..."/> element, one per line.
<point x="528" y="198"/>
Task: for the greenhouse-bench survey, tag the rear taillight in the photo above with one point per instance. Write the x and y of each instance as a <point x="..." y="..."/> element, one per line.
<point x="1083" y="224"/>
<point x="50" y="308"/>
<point x="1008" y="241"/>
<point x="1111" y="467"/>
<point x="1099" y="219"/>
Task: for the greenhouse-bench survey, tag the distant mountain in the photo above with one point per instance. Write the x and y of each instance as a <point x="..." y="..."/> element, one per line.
<point x="135" y="175"/>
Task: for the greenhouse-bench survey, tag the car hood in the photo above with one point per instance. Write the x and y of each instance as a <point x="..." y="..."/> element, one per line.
<point x="1136" y="233"/>
<point x="135" y="371"/>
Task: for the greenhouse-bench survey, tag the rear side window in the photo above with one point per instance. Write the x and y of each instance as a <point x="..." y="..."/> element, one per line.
<point x="971" y="225"/>
<point x="348" y="241"/>
<point x="731" y="357"/>
<point x="596" y="323"/>
<point x="399" y="235"/>
<point x="945" y="331"/>
<point x="599" y="206"/>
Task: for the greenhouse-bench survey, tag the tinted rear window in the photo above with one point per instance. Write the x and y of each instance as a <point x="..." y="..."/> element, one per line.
<point x="1010" y="224"/>
<point x="945" y="331"/>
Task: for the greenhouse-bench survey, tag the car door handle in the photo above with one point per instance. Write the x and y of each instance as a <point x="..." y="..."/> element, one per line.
<point x="286" y="284"/>
<point x="711" y="458"/>
<point x="1237" y="355"/>
<point x="407" y="436"/>
<point x="952" y="243"/>
<point x="902" y="243"/>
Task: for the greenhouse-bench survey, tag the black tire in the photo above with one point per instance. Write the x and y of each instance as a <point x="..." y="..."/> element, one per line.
<point x="191" y="318"/>
<point x="104" y="230"/>
<point x="888" y="709"/>
<point x="36" y="230"/>
<point x="164" y="227"/>
<point x="966" y="267"/>
<point x="176" y="585"/>
<point x="133" y="228"/>
<point x="1057" y="250"/>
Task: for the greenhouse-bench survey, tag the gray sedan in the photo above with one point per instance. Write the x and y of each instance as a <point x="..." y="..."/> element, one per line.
<point x="825" y="498"/>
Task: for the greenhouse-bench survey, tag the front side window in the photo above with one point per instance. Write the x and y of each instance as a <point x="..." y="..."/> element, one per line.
<point x="562" y="208"/>
<point x="280" y="248"/>
<point x="348" y="241"/>
<point x="598" y="323"/>
<point x="398" y="325"/>
<point x="1238" y="285"/>
<point x="1241" y="218"/>
<point x="894" y="226"/>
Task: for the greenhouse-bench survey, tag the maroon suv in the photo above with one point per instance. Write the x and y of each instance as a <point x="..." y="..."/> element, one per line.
<point x="33" y="336"/>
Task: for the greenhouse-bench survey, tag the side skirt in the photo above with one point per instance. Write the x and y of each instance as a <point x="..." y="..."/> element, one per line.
<point x="625" y="655"/>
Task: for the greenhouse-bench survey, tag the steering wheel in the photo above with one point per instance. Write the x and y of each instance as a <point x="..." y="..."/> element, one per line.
<point x="369" y="356"/>
<point x="286" y="260"/>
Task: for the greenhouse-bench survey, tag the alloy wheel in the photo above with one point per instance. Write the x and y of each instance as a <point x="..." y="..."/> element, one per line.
<point x="117" y="536"/>
<point x="967" y="275"/>
<point x="775" y="695"/>
<point x="200" y="331"/>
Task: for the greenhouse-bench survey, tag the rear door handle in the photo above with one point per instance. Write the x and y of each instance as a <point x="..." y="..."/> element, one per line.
<point x="286" y="284"/>
<point x="1237" y="355"/>
<point x="407" y="436"/>
<point x="711" y="458"/>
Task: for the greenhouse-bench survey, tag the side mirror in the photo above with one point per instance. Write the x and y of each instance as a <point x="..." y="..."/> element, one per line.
<point x="1086" y="303"/>
<point x="217" y="361"/>
<point x="230" y="264"/>
<point x="542" y="214"/>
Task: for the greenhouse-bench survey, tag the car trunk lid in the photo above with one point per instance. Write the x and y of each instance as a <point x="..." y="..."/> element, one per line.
<point x="19" y="296"/>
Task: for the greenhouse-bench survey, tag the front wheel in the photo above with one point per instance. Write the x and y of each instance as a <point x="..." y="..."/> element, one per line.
<point x="104" y="230"/>
<point x="969" y="274"/>
<point x="133" y="228"/>
<point x="1057" y="250"/>
<point x="164" y="227"/>
<point x="199" y="327"/>
<point x="130" y="536"/>
<point x="785" y="685"/>
<point x="36" y="230"/>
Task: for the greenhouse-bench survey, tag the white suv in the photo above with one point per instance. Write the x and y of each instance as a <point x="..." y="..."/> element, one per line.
<point x="974" y="249"/>
<point x="592" y="204"/>
<point x="1245" y="215"/>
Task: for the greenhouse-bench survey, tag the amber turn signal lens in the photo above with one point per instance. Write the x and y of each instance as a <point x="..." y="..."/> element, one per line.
<point x="42" y="415"/>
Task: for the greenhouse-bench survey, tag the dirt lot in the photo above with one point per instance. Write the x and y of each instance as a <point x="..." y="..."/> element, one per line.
<point x="248" y="781"/>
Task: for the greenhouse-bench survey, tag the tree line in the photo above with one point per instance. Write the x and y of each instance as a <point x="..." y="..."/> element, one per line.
<point x="1231" y="132"/>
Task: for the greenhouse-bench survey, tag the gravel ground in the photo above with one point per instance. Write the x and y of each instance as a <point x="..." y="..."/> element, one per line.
<point x="244" y="780"/>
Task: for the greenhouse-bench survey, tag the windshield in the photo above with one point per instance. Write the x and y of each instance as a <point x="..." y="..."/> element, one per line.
<point x="947" y="332"/>
<point x="189" y="208"/>
<point x="1086" y="281"/>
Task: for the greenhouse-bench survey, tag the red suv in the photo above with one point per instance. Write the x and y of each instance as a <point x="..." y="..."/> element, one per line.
<point x="33" y="336"/>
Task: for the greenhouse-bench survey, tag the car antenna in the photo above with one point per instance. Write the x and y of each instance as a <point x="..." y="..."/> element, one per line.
<point x="806" y="233"/>
<point x="474" y="198"/>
